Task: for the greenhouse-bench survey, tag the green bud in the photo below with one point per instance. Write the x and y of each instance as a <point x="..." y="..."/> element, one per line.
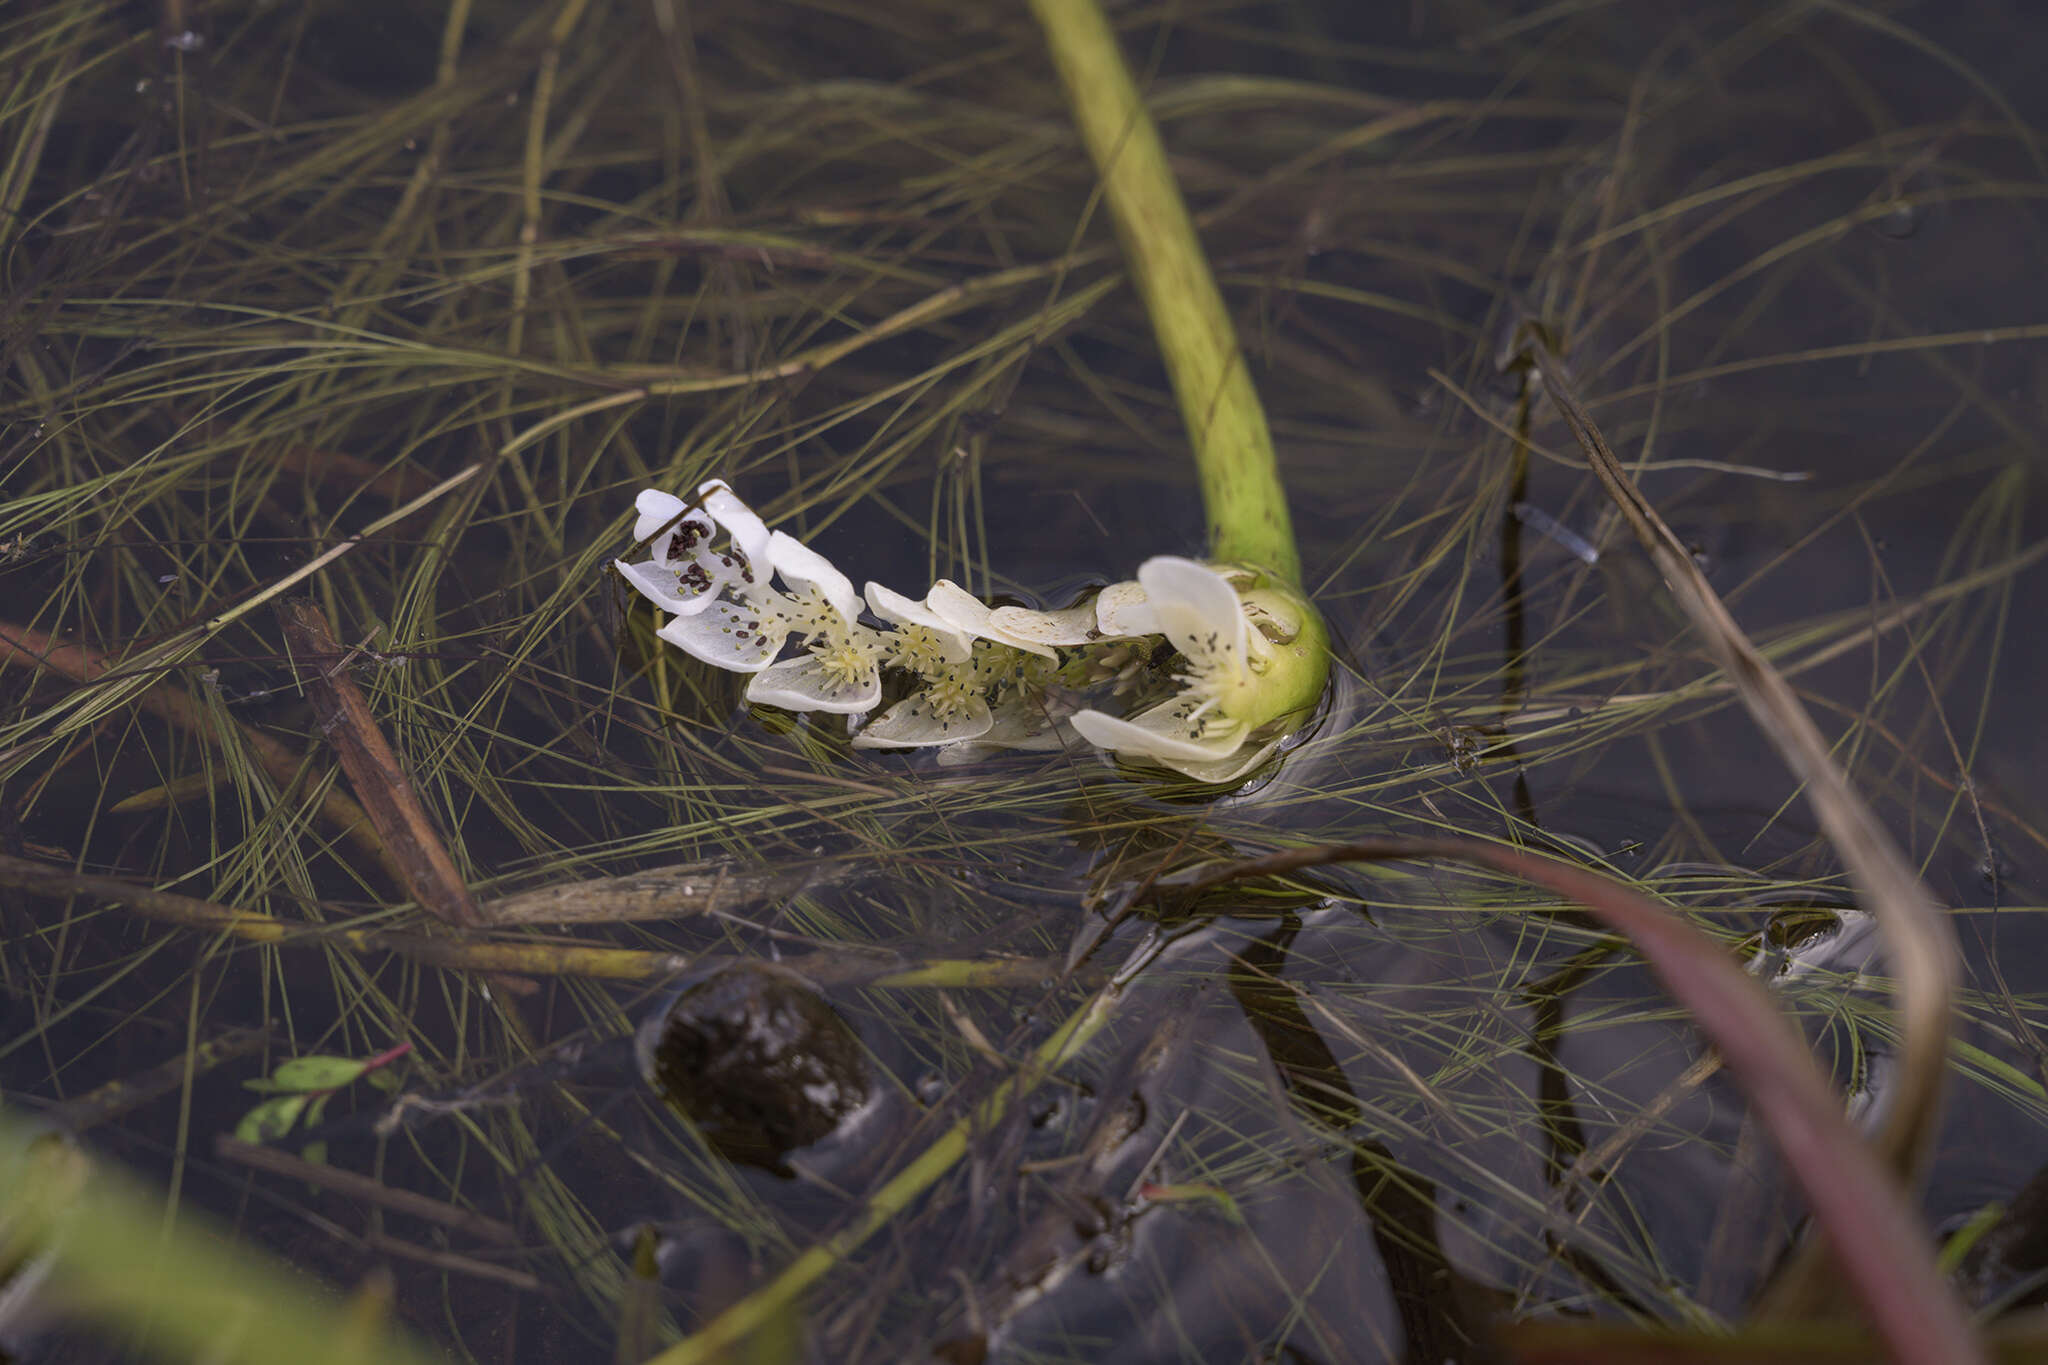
<point x="1291" y="671"/>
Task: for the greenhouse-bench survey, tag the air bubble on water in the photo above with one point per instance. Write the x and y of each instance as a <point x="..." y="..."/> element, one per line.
<point x="1901" y="222"/>
<point x="186" y="41"/>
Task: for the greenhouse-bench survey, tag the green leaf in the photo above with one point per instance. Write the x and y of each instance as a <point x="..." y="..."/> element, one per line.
<point x="1967" y="1236"/>
<point x="1214" y="1195"/>
<point x="316" y="1073"/>
<point x="385" y="1079"/>
<point x="271" y="1119"/>
<point x="315" y="1152"/>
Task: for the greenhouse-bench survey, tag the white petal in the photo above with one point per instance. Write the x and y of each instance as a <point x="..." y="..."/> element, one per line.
<point x="802" y="567"/>
<point x="740" y="638"/>
<point x="1162" y="733"/>
<point x="749" y="533"/>
<point x="1223" y="770"/>
<point x="1197" y="609"/>
<point x="802" y="684"/>
<point x="1029" y="723"/>
<point x="1121" y="611"/>
<point x="955" y="645"/>
<point x="957" y="607"/>
<point x="1020" y="728"/>
<point x="664" y="587"/>
<point x="655" y="509"/>
<point x="1074" y="626"/>
<point x="963" y="611"/>
<point x="910" y="724"/>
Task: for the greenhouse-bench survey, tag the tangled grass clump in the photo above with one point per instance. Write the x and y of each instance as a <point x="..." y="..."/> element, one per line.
<point x="365" y="323"/>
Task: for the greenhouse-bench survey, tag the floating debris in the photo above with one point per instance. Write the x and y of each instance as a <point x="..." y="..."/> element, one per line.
<point x="1544" y="524"/>
<point x="719" y="886"/>
<point x="758" y="1060"/>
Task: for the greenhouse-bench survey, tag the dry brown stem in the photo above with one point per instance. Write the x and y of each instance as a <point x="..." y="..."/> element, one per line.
<point x="84" y="664"/>
<point x="672" y="892"/>
<point x="1920" y="941"/>
<point x="525" y="958"/>
<point x="362" y="1187"/>
<point x="1871" y="1225"/>
<point x="129" y="1093"/>
<point x="422" y="862"/>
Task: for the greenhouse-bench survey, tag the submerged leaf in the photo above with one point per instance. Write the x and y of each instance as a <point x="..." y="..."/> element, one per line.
<point x="316" y="1073"/>
<point x="271" y="1119"/>
<point x="757" y="1059"/>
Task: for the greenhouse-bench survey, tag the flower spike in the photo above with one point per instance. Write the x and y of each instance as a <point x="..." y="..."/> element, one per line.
<point x="969" y="678"/>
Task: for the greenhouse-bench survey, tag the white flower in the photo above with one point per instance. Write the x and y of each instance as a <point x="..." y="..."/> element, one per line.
<point x="928" y="717"/>
<point x="676" y="579"/>
<point x="725" y="612"/>
<point x="1036" y="721"/>
<point x="951" y="704"/>
<point x="1061" y="629"/>
<point x="1122" y="612"/>
<point x="924" y="641"/>
<point x="981" y="674"/>
<point x="1201" y="732"/>
<point x="686" y="575"/>
<point x="1251" y="653"/>
<point x="968" y="614"/>
<point x="842" y="670"/>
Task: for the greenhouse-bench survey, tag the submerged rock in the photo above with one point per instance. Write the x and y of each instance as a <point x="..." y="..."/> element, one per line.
<point x="758" y="1060"/>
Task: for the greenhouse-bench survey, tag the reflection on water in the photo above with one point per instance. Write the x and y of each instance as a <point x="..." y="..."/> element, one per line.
<point x="757" y="1061"/>
<point x="269" y="285"/>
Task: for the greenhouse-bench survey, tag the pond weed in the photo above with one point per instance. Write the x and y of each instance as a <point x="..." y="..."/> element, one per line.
<point x="266" y="290"/>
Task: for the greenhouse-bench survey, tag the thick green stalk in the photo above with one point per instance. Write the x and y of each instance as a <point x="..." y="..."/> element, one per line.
<point x="185" y="1290"/>
<point x="1241" y="491"/>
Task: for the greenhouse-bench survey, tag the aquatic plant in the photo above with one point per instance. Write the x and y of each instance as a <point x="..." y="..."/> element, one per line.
<point x="1247" y="660"/>
<point x="1250" y="660"/>
<point x="328" y="380"/>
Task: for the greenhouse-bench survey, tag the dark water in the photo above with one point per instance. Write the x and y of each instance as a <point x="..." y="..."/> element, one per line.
<point x="1390" y="1077"/>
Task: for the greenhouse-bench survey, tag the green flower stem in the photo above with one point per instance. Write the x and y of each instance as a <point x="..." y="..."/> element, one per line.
<point x="1241" y="490"/>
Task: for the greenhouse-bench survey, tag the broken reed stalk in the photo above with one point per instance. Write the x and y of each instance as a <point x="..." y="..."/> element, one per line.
<point x="1226" y="425"/>
<point x="672" y="892"/>
<point x="1874" y="1231"/>
<point x="424" y="868"/>
<point x="539" y="958"/>
<point x="130" y="681"/>
<point x="129" y="1093"/>
<point x="365" y="1190"/>
<point x="1920" y="942"/>
<point x="84" y="664"/>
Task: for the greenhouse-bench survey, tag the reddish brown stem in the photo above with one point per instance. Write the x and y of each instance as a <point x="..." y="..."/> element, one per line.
<point x="84" y="664"/>
<point x="379" y="780"/>
<point x="1883" y="1251"/>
